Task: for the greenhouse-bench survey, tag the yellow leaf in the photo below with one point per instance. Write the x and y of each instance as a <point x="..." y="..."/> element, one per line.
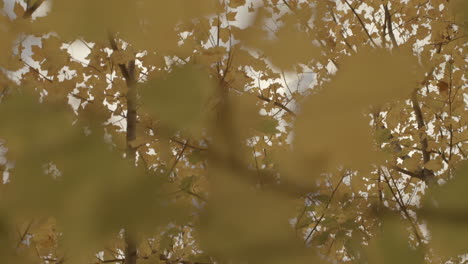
<point x="231" y="16"/>
<point x="236" y="3"/>
<point x="18" y="10"/>
<point x="434" y="164"/>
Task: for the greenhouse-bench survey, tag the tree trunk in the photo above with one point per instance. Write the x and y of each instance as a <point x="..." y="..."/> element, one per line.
<point x="128" y="72"/>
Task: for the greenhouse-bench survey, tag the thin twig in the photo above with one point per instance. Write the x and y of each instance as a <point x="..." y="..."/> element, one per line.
<point x="31" y="9"/>
<point x="361" y="22"/>
<point x="179" y="156"/>
<point x="326" y="207"/>
<point x="278" y="104"/>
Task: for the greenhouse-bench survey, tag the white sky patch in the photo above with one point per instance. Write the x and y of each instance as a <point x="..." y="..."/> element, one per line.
<point x="424" y="231"/>
<point x="100" y="255"/>
<point x="347" y="180"/>
<point x="6" y="172"/>
<point x="27" y="240"/>
<point x="118" y="121"/>
<point x="301" y="82"/>
<point x="43" y="10"/>
<point x="8" y="7"/>
<point x="463" y="258"/>
<point x="79" y="50"/>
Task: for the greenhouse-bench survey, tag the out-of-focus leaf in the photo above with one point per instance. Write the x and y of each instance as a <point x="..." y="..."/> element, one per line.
<point x="50" y="128"/>
<point x="72" y="19"/>
<point x="186" y="183"/>
<point x="180" y="99"/>
<point x="200" y="258"/>
<point x="446" y="213"/>
<point x="290" y="37"/>
<point x="255" y="220"/>
<point x="321" y="238"/>
<point x="196" y="156"/>
<point x="391" y="245"/>
<point x="332" y="129"/>
<point x="268" y="125"/>
<point x="383" y="135"/>
<point x="459" y="9"/>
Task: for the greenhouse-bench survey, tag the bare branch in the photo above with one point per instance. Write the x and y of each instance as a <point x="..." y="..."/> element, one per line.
<point x="31" y="9"/>
<point x="360" y="22"/>
<point x="280" y="105"/>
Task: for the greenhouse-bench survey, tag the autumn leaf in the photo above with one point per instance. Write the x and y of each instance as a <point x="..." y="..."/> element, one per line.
<point x="180" y="99"/>
<point x="236" y="3"/>
<point x="446" y="214"/>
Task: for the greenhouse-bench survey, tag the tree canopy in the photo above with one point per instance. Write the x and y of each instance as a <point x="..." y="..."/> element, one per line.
<point x="233" y="131"/>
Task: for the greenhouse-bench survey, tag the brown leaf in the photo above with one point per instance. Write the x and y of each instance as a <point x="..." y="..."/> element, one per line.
<point x="443" y="87"/>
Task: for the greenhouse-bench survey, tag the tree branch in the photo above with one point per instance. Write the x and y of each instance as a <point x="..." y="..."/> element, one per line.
<point x="426" y="173"/>
<point x="409" y="173"/>
<point x="402" y="206"/>
<point x="31" y="9"/>
<point x="361" y="22"/>
<point x="278" y="104"/>
<point x="388" y="20"/>
<point x="326" y="207"/>
<point x="128" y="72"/>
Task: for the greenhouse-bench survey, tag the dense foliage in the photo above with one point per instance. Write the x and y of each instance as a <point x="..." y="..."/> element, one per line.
<point x="233" y="131"/>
